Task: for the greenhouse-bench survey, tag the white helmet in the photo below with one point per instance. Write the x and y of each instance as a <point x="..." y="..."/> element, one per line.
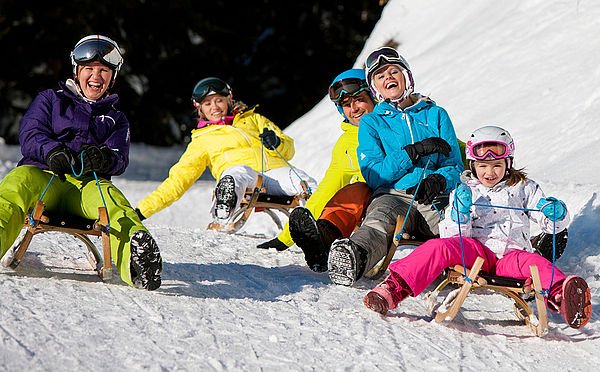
<point x="97" y="47"/>
<point x="490" y="143"/>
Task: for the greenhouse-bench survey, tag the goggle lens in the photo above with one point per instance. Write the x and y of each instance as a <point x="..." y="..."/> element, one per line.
<point x="101" y="49"/>
<point x="387" y="53"/>
<point x="216" y="87"/>
<point x="496" y="150"/>
<point x="343" y="87"/>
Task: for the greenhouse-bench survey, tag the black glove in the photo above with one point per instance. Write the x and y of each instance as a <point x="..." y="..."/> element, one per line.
<point x="269" y="139"/>
<point x="427" y="147"/>
<point x="60" y="161"/>
<point x="430" y="187"/>
<point x="97" y="159"/>
<point x="273" y="243"/>
<point x="140" y="215"/>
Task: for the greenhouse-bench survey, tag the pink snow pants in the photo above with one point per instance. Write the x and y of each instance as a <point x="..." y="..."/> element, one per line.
<point x="426" y="262"/>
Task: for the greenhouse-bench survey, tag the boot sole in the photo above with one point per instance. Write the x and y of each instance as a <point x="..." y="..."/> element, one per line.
<point x="577" y="305"/>
<point x="341" y="265"/>
<point x="145" y="261"/>
<point x="376" y="302"/>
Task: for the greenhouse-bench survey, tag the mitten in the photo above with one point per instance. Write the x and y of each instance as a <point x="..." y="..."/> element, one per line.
<point x="429" y="188"/>
<point x="463" y="200"/>
<point x="60" y="161"/>
<point x="269" y="139"/>
<point x="427" y="147"/>
<point x="554" y="209"/>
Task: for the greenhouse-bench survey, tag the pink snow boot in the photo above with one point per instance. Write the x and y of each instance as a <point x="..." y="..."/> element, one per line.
<point x="575" y="304"/>
<point x="387" y="294"/>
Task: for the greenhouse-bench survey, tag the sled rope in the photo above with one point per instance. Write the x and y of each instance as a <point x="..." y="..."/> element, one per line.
<point x="412" y="201"/>
<point x="302" y="181"/>
<point x="543" y="292"/>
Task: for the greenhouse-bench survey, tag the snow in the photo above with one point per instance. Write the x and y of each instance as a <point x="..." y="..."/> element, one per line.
<point x="532" y="67"/>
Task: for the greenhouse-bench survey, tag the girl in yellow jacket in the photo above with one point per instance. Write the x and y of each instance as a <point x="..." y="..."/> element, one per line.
<point x="343" y="195"/>
<point x="236" y="144"/>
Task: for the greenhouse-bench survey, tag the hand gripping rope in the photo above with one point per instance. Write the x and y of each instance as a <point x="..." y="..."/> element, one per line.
<point x="77" y="175"/>
<point x="455" y="206"/>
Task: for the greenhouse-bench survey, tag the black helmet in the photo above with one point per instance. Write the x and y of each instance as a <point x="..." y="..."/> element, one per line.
<point x="208" y="86"/>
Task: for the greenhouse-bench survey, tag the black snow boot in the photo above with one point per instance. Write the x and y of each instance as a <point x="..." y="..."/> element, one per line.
<point x="543" y="244"/>
<point x="146" y="263"/>
<point x="313" y="237"/>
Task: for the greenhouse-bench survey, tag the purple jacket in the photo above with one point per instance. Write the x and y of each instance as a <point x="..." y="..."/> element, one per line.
<point x="61" y="117"/>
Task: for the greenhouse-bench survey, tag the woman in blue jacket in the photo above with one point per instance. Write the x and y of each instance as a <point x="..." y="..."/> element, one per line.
<point x="407" y="148"/>
<point x="76" y="130"/>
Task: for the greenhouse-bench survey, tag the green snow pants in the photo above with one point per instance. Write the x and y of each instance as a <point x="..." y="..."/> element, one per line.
<point x="24" y="185"/>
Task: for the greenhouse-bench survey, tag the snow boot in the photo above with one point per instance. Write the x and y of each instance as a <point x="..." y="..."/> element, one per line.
<point x="387" y="294"/>
<point x="346" y="262"/>
<point x="313" y="237"/>
<point x="146" y="263"/>
<point x="226" y="198"/>
<point x="575" y="304"/>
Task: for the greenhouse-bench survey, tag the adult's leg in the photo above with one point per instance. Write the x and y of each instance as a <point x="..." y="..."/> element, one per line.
<point x="288" y="181"/>
<point x="124" y="222"/>
<point x="347" y="206"/>
<point x="230" y="190"/>
<point x="19" y="191"/>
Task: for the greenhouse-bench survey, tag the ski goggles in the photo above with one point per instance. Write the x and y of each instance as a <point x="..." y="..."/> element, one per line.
<point x="350" y="86"/>
<point x="214" y="87"/>
<point x="489" y="149"/>
<point x="390" y="55"/>
<point x="100" y="49"/>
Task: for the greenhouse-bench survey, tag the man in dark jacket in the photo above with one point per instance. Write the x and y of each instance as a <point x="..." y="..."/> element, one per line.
<point x="76" y="134"/>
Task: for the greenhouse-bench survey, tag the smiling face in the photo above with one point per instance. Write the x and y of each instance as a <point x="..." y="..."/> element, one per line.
<point x="214" y="107"/>
<point x="490" y="172"/>
<point x="389" y="82"/>
<point x="94" y="79"/>
<point x="356" y="106"/>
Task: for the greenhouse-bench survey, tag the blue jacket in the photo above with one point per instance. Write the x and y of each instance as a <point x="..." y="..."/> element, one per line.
<point x="62" y="117"/>
<point x="383" y="134"/>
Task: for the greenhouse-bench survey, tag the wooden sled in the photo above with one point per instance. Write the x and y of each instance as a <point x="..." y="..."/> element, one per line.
<point x="37" y="222"/>
<point x="258" y="200"/>
<point x="510" y="287"/>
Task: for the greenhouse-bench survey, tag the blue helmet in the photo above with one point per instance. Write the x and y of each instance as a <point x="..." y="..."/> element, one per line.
<point x="349" y="82"/>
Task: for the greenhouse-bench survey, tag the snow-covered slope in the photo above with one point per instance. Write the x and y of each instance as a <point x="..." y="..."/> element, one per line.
<point x="531" y="66"/>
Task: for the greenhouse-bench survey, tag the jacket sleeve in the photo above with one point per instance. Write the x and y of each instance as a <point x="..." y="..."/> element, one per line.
<point x="182" y="176"/>
<point x="118" y="141"/>
<point x="450" y="167"/>
<point x="36" y="136"/>
<point x="378" y="167"/>
<point x="534" y="194"/>
<point x="334" y="179"/>
<point x="286" y="147"/>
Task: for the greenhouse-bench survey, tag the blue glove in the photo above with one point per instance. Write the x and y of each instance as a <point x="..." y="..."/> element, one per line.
<point x="463" y="200"/>
<point x="554" y="209"/>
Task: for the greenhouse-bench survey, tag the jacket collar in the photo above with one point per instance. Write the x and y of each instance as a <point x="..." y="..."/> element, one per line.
<point x="70" y="90"/>
<point x="385" y="108"/>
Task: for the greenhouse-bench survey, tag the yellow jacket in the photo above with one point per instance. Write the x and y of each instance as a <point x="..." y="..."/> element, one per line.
<point x="343" y="170"/>
<point x="219" y="147"/>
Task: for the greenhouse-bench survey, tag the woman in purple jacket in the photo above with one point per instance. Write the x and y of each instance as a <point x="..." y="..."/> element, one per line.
<point x="75" y="132"/>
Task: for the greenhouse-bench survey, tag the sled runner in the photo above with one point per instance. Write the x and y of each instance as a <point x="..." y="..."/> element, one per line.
<point x="259" y="200"/>
<point x="38" y="222"/>
<point x="510" y="287"/>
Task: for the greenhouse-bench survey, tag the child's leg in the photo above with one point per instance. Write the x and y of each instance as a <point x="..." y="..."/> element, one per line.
<point x="515" y="264"/>
<point x="426" y="262"/>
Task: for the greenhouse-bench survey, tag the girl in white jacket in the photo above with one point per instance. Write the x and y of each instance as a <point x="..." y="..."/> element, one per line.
<point x="492" y="210"/>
